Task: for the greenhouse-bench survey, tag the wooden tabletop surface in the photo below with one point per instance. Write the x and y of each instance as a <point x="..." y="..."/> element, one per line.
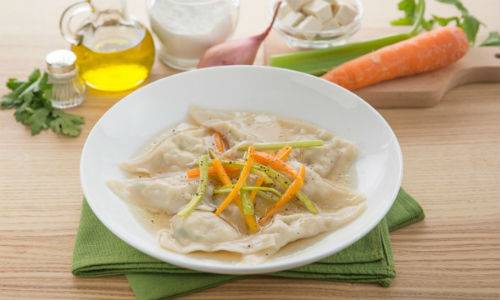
<point x="451" y="158"/>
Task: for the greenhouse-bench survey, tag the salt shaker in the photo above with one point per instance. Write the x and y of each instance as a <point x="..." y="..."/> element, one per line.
<point x="68" y="90"/>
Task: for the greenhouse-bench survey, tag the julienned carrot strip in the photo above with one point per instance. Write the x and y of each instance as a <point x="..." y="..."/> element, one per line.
<point x="219" y="142"/>
<point x="224" y="178"/>
<point x="253" y="194"/>
<point x="275" y="163"/>
<point x="241" y="181"/>
<point x="283" y="153"/>
<point x="221" y="173"/>
<point x="426" y="52"/>
<point x="195" y="172"/>
<point x="293" y="189"/>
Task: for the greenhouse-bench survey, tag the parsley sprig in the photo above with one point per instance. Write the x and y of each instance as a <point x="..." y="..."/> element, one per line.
<point x="466" y="21"/>
<point x="31" y="100"/>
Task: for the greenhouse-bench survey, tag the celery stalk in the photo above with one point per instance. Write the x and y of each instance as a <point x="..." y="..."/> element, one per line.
<point x="318" y="62"/>
<point x="279" y="145"/>
<point x="246" y="203"/>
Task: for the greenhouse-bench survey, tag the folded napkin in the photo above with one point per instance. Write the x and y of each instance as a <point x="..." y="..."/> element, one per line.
<point x="99" y="253"/>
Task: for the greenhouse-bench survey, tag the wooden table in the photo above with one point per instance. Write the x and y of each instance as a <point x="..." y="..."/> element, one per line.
<point x="451" y="158"/>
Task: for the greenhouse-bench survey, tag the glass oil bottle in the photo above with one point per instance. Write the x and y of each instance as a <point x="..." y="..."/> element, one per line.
<point x="114" y="52"/>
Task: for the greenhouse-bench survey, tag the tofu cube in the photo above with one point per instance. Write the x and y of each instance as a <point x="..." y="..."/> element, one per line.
<point x="320" y="9"/>
<point x="344" y="14"/>
<point x="292" y="19"/>
<point x="310" y="23"/>
<point x="331" y="24"/>
<point x="297" y="4"/>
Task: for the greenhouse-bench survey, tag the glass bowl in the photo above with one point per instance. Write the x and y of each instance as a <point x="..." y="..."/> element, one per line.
<point x="322" y="38"/>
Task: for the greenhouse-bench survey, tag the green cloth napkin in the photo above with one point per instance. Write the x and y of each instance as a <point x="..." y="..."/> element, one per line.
<point x="99" y="253"/>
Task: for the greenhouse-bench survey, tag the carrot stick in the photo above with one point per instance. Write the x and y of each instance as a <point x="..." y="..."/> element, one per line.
<point x="219" y="142"/>
<point x="275" y="163"/>
<point x="224" y="178"/>
<point x="426" y="52"/>
<point x="221" y="173"/>
<point x="283" y="153"/>
<point x="258" y="183"/>
<point x="241" y="181"/>
<point x="293" y="189"/>
<point x="195" y="172"/>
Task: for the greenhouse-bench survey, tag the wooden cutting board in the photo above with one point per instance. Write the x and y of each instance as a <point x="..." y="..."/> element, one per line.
<point x="424" y="90"/>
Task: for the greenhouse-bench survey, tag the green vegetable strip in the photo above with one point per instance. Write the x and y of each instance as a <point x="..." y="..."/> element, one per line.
<point x="318" y="62"/>
<point x="279" y="145"/>
<point x="267" y="196"/>
<point x="227" y="189"/>
<point x="254" y="170"/>
<point x="202" y="188"/>
<point x="284" y="182"/>
<point x="246" y="203"/>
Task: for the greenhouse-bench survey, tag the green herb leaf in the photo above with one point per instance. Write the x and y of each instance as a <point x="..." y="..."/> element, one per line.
<point x="470" y="25"/>
<point x="408" y="8"/>
<point x="13" y="84"/>
<point x="38" y="120"/>
<point x="443" y="21"/>
<point x="31" y="99"/>
<point x="65" y="123"/>
<point x="493" y="39"/>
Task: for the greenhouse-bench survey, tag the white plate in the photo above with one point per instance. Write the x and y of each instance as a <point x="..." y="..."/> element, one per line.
<point x="134" y="120"/>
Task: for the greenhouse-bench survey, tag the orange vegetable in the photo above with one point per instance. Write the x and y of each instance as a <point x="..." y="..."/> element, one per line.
<point x="241" y="181"/>
<point x="219" y="142"/>
<point x="253" y="194"/>
<point x="284" y="152"/>
<point x="224" y="178"/>
<point x="221" y="173"/>
<point x="275" y="163"/>
<point x="293" y="189"/>
<point x="426" y="52"/>
<point x="195" y="172"/>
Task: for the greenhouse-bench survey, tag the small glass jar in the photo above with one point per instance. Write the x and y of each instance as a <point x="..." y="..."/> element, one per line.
<point x="187" y="28"/>
<point x="68" y="90"/>
<point x="319" y="39"/>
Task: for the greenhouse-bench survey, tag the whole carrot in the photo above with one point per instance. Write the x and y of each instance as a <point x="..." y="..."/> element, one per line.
<point x="426" y="52"/>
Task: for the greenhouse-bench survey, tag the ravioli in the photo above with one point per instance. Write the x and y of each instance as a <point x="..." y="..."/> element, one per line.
<point x="159" y="183"/>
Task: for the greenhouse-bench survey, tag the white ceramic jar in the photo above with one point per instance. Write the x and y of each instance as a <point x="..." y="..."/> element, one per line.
<point x="187" y="28"/>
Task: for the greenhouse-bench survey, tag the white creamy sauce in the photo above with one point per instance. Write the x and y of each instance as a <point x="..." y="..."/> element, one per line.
<point x="187" y="28"/>
<point x="162" y="189"/>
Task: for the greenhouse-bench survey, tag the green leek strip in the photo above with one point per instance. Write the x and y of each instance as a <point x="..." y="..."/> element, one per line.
<point x="227" y="189"/>
<point x="279" y="145"/>
<point x="267" y="196"/>
<point x="284" y="183"/>
<point x="246" y="203"/>
<point x="202" y="188"/>
<point x="240" y="164"/>
<point x="318" y="62"/>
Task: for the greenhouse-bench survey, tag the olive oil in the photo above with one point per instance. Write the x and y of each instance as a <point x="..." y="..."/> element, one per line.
<point x="115" y="58"/>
